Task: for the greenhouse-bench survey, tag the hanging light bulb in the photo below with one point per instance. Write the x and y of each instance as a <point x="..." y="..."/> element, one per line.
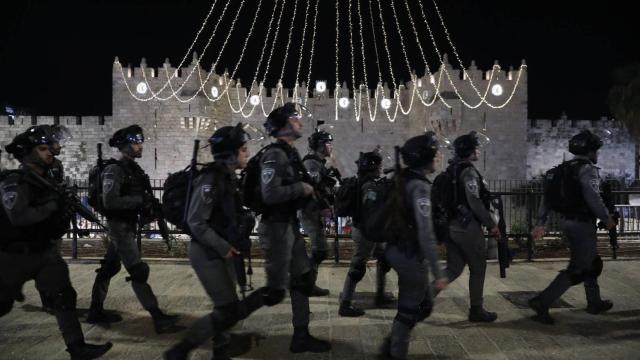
<point x="321" y="86"/>
<point x="343" y="102"/>
<point x="497" y="90"/>
<point x="385" y="103"/>
<point x="214" y="91"/>
<point x="254" y="100"/>
<point x="142" y="88"/>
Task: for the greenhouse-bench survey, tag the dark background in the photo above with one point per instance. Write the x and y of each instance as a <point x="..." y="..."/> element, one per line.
<point x="56" y="56"/>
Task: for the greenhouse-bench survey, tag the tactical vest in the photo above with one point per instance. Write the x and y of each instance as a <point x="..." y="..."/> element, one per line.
<point x="358" y="215"/>
<point x="133" y="184"/>
<point x="224" y="219"/>
<point x="460" y="197"/>
<point x="286" y="211"/>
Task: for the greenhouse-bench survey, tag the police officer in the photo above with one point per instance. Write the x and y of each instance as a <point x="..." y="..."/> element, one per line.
<point x="33" y="217"/>
<point x="59" y="135"/>
<point x="369" y="169"/>
<point x="283" y="192"/>
<point x="579" y="225"/>
<point x="123" y="199"/>
<point x="467" y="244"/>
<point x="214" y="218"/>
<point x="313" y="214"/>
<point x="415" y="243"/>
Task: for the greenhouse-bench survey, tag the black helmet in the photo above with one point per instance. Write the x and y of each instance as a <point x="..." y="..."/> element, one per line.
<point x="227" y="140"/>
<point x="465" y="145"/>
<point x="60" y="134"/>
<point x="319" y="138"/>
<point x="277" y="119"/>
<point x="368" y="161"/>
<point x="584" y="142"/>
<point x="129" y="135"/>
<point x="420" y="150"/>
<point x="25" y="142"/>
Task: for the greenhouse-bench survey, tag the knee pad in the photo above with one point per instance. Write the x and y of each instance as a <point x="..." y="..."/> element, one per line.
<point x="65" y="299"/>
<point x="304" y="283"/>
<point x="271" y="296"/>
<point x="139" y="273"/>
<point x="108" y="270"/>
<point x="318" y="256"/>
<point x="596" y="267"/>
<point x="357" y="273"/>
<point x="383" y="266"/>
<point x="5" y="307"/>
<point x="407" y="316"/>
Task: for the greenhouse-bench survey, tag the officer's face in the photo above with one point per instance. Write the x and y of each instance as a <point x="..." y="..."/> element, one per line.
<point x="243" y="157"/>
<point x="43" y="152"/>
<point x="136" y="150"/>
<point x="55" y="148"/>
<point x="296" y="125"/>
<point x="327" y="149"/>
<point x="475" y="155"/>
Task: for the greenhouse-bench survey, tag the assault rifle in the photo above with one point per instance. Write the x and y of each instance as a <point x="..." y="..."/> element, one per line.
<point x="243" y="245"/>
<point x="334" y="173"/>
<point x="609" y="202"/>
<point x="504" y="257"/>
<point x="154" y="213"/>
<point x="70" y="198"/>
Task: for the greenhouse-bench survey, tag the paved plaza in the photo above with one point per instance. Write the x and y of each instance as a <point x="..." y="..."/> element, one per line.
<point x="27" y="333"/>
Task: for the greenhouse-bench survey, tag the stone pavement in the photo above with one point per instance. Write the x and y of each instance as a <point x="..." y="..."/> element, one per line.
<point x="27" y="333"/>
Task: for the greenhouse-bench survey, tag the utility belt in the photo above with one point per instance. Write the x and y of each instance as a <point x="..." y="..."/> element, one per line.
<point x="580" y="217"/>
<point x="25" y="247"/>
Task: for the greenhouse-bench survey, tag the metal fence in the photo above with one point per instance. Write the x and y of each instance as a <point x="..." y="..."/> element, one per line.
<point x="521" y="202"/>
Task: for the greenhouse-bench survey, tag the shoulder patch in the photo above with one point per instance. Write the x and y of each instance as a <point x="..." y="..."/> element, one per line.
<point x="595" y="185"/>
<point x="424" y="206"/>
<point x="267" y="175"/>
<point x="207" y="193"/>
<point x="472" y="187"/>
<point x="9" y="199"/>
<point x="107" y="185"/>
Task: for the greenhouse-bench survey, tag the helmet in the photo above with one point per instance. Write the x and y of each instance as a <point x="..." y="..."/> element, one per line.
<point x="368" y="161"/>
<point x="420" y="150"/>
<point x="61" y="134"/>
<point x="465" y="145"/>
<point x="584" y="142"/>
<point x="129" y="135"/>
<point x="277" y="119"/>
<point x="319" y="138"/>
<point x="25" y="142"/>
<point x="227" y="140"/>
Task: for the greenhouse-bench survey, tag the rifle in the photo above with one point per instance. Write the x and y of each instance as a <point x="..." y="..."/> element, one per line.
<point x="504" y="257"/>
<point x="70" y="198"/>
<point x="333" y="172"/>
<point x="243" y="245"/>
<point x="193" y="168"/>
<point x="609" y="202"/>
<point x="155" y="213"/>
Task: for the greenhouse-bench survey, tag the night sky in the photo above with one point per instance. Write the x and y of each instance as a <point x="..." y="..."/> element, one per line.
<point x="56" y="56"/>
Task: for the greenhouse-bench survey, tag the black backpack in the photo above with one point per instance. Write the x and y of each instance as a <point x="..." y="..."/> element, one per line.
<point x="175" y="198"/>
<point x="562" y="190"/>
<point x="444" y="199"/>
<point x="346" y="197"/>
<point x="375" y="210"/>
<point x="251" y="183"/>
<point x="94" y="196"/>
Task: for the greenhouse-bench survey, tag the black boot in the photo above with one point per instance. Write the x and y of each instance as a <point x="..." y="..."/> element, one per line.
<point x="318" y="291"/>
<point x="599" y="308"/>
<point x="302" y="341"/>
<point x="383" y="299"/>
<point x="179" y="351"/>
<point x="542" y="312"/>
<point x="348" y="310"/>
<point x="478" y="314"/>
<point x="165" y="324"/>
<point x="84" y="351"/>
<point x="98" y="315"/>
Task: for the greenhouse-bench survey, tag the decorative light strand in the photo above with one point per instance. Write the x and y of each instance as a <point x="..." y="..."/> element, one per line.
<point x="313" y="46"/>
<point x="266" y="72"/>
<point x="301" y="52"/>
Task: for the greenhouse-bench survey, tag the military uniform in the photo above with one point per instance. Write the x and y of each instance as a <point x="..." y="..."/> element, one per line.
<point x="579" y="225"/>
<point x="310" y="215"/>
<point x="363" y="250"/>
<point x="123" y="199"/>
<point x="412" y="256"/>
<point x="468" y="245"/>
<point x="37" y="219"/>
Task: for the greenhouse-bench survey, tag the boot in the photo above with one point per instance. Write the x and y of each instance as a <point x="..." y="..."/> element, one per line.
<point x="84" y="351"/>
<point x="542" y="312"/>
<point x="318" y="291"/>
<point x="478" y="314"/>
<point x="383" y="299"/>
<point x="302" y="341"/>
<point x="348" y="310"/>
<point x="98" y="315"/>
<point x="598" y="308"/>
<point x="165" y="324"/>
<point x="221" y="353"/>
<point x="179" y="351"/>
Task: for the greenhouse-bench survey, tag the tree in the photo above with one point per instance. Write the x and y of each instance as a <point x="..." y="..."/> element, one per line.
<point x="624" y="103"/>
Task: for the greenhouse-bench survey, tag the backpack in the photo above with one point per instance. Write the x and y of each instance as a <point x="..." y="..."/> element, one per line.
<point x="562" y="191"/>
<point x="175" y="197"/>
<point x="95" y="184"/>
<point x="251" y="183"/>
<point x="346" y="197"/>
<point x="444" y="199"/>
<point x="374" y="209"/>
